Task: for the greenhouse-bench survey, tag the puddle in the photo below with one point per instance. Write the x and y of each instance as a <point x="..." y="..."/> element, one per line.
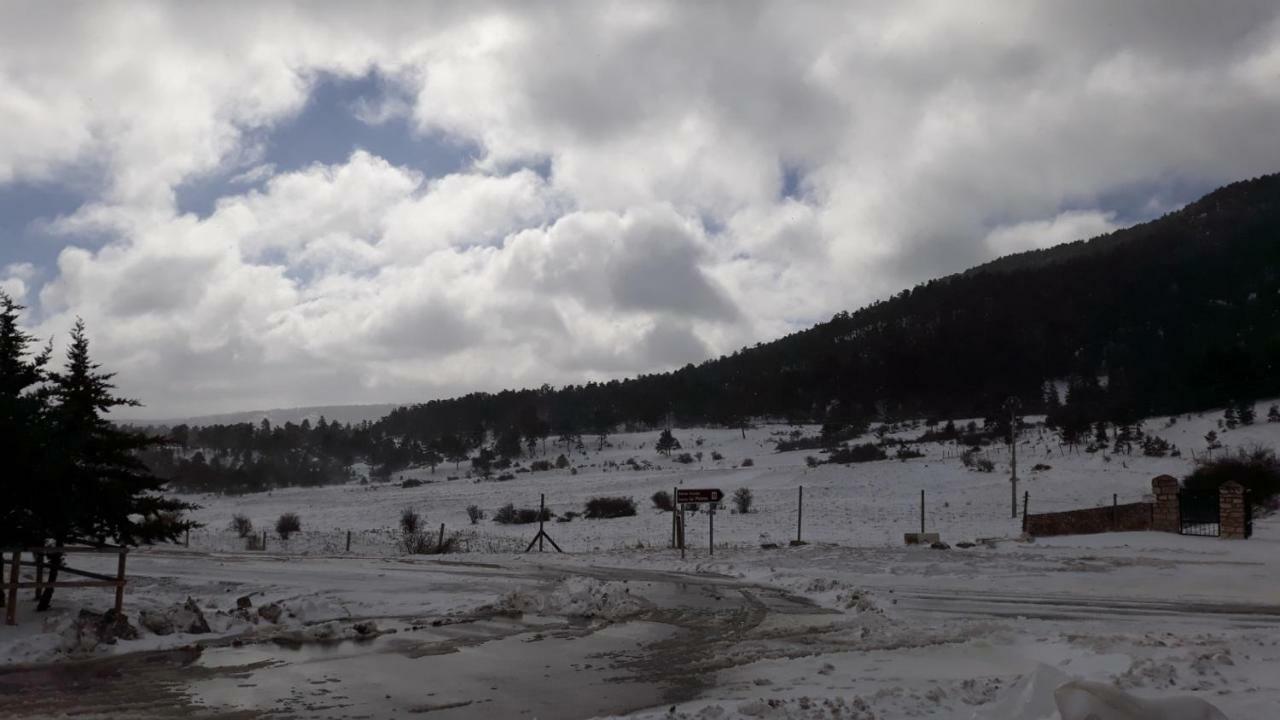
<point x="562" y="673"/>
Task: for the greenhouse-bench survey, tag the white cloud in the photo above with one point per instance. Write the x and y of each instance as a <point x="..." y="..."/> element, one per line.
<point x="1062" y="228"/>
<point x="657" y="235"/>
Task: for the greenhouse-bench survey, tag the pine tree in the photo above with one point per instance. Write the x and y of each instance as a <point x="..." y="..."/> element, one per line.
<point x="1245" y="413"/>
<point x="98" y="490"/>
<point x="666" y="443"/>
<point x="1273" y="415"/>
<point x="23" y="425"/>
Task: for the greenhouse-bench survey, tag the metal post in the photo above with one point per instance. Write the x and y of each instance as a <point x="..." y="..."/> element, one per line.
<point x="264" y="539"/>
<point x="675" y="542"/>
<point x="712" y="544"/>
<point x="186" y="541"/>
<point x="1026" y="498"/>
<point x="922" y="512"/>
<point x="348" y="541"/>
<point x="1115" y="510"/>
<point x="542" y="504"/>
<point x="799" y="513"/>
<point x="440" y="545"/>
<point x="1013" y="454"/>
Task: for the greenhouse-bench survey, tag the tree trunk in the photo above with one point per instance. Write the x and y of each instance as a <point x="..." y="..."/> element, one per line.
<point x="46" y="596"/>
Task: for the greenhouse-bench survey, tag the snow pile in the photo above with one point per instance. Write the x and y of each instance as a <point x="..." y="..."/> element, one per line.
<point x="576" y="596"/>
<point x="1082" y="700"/>
<point x="1049" y="694"/>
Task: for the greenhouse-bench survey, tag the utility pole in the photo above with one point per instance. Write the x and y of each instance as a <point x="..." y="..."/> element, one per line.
<point x="1012" y="405"/>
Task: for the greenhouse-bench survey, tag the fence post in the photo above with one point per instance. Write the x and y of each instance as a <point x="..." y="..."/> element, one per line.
<point x="1115" y="508"/>
<point x="712" y="544"/>
<point x="921" y="512"/>
<point x="674" y="529"/>
<point x="440" y="545"/>
<point x="799" y="513"/>
<point x="348" y="541"/>
<point x="186" y="541"/>
<point x="1026" y="499"/>
<point x="120" y="581"/>
<point x="264" y="540"/>
<point x="542" y="505"/>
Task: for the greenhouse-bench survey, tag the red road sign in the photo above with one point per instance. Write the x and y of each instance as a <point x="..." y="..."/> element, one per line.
<point x="704" y="495"/>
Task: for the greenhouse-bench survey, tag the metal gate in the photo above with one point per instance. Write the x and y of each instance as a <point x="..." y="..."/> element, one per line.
<point x="1199" y="511"/>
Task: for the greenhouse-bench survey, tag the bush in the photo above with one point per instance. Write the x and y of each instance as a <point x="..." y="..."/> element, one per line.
<point x="242" y="525"/>
<point x="412" y="539"/>
<point x="683" y="458"/>
<point x="1040" y="467"/>
<point x="562" y="462"/>
<point x="866" y="452"/>
<point x="509" y="515"/>
<point x="1256" y="468"/>
<point x="505" y="477"/>
<point x="742" y="499"/>
<point x="812" y="461"/>
<point x="255" y="542"/>
<point x="748" y="462"/>
<point x="601" y="508"/>
<point x="474" y="514"/>
<point x="974" y="461"/>
<point x="662" y="500"/>
<point x="288" y="524"/>
<point x="410" y="483"/>
<point x="906" y="452"/>
<point x="541" y="465"/>
<point x="716" y="456"/>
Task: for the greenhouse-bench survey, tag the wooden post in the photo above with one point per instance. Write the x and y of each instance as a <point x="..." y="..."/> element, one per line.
<point x="3" y="600"/>
<point x="1026" y="498"/>
<point x="542" y="508"/>
<point x="348" y="541"/>
<point x="1115" y="508"/>
<point x="186" y="541"/>
<point x="264" y="539"/>
<point x="440" y="545"/>
<point x="921" y="512"/>
<point x="120" y="581"/>
<point x="11" y="612"/>
<point x="799" y="513"/>
<point x="39" y="573"/>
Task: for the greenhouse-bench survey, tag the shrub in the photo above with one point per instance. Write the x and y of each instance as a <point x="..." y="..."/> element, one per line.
<point x="540" y="465"/>
<point x="866" y="452"/>
<point x="812" y="461"/>
<point x="683" y="458"/>
<point x="1256" y="468"/>
<point x="474" y="514"/>
<point x="254" y="542"/>
<point x="242" y="525"/>
<point x="568" y="517"/>
<point x="974" y="461"/>
<point x="509" y="515"/>
<point x="410" y="483"/>
<point x="906" y="452"/>
<point x="412" y="539"/>
<point x="562" y="462"/>
<point x="505" y="477"/>
<point x="716" y="456"/>
<point x="742" y="499"/>
<point x="662" y="500"/>
<point x="1040" y="467"/>
<point x="748" y="462"/>
<point x="1153" y="446"/>
<point x="288" y="524"/>
<point x="600" y="508"/>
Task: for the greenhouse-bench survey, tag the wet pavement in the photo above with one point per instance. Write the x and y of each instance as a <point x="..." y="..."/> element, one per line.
<point x="481" y="666"/>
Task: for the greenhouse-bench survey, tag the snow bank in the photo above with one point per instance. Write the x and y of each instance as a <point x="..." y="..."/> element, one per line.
<point x="575" y="596"/>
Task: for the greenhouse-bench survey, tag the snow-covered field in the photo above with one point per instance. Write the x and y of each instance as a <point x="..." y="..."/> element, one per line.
<point x="983" y="632"/>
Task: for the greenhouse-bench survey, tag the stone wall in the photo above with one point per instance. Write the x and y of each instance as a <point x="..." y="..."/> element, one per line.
<point x="1116" y="518"/>
<point x="1166" y="516"/>
<point x="1231" y="511"/>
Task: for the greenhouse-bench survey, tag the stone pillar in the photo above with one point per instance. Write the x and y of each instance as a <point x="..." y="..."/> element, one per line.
<point x="1231" y="510"/>
<point x="1165" y="515"/>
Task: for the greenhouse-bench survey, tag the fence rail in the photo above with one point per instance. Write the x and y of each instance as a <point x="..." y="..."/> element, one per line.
<point x="9" y="588"/>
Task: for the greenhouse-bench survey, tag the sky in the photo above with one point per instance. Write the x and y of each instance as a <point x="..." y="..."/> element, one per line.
<point x="257" y="205"/>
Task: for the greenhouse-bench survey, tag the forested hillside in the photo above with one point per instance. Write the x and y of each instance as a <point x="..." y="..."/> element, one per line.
<point x="1178" y="314"/>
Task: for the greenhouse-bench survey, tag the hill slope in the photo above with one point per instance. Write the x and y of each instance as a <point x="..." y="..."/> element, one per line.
<point x="1176" y="314"/>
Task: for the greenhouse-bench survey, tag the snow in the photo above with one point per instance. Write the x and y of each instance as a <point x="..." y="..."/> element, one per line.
<point x="988" y="632"/>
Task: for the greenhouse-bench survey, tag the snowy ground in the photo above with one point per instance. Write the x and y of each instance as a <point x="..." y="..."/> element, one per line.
<point x="984" y="632"/>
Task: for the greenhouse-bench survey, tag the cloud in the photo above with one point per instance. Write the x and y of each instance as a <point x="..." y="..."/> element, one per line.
<point x="655" y="182"/>
<point x="1062" y="228"/>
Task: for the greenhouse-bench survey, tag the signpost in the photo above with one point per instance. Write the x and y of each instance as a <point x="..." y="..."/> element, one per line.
<point x="704" y="495"/>
<point x="696" y="496"/>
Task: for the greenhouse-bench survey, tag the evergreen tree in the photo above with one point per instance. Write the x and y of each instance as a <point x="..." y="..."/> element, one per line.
<point x="1245" y="413"/>
<point x="666" y="443"/>
<point x="1273" y="415"/>
<point x="23" y="425"/>
<point x="98" y="490"/>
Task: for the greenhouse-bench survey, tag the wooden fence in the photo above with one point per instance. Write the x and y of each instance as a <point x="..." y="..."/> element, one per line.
<point x="39" y="564"/>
